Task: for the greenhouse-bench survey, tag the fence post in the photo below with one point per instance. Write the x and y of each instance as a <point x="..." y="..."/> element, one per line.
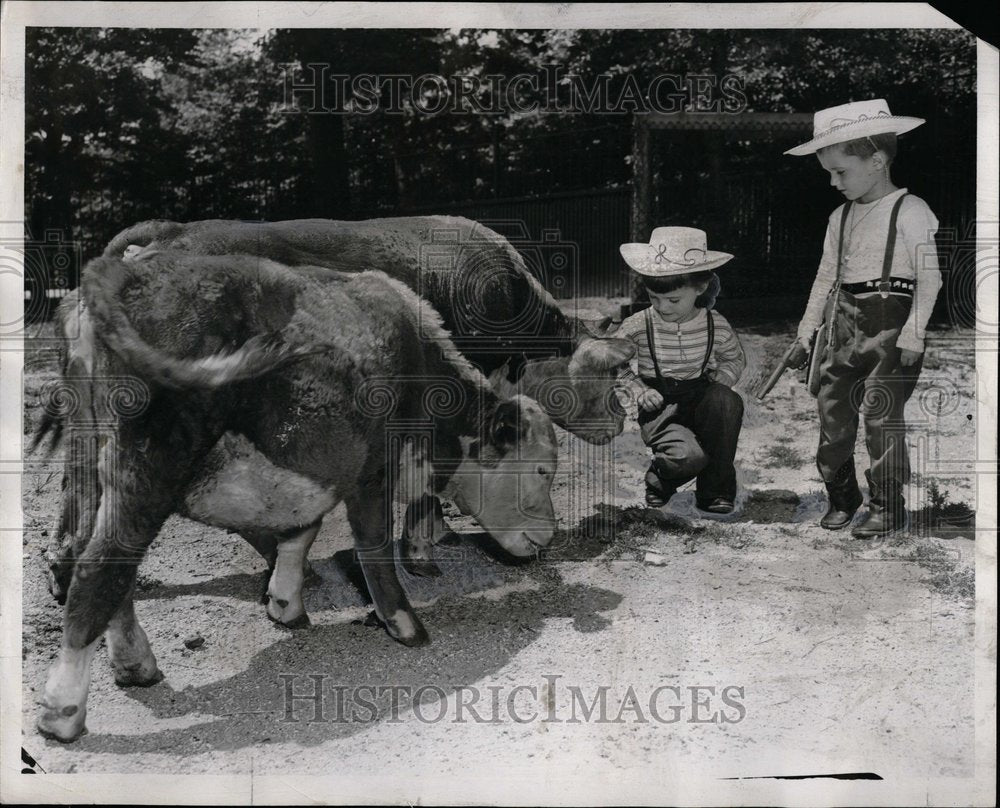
<point x="641" y="181"/>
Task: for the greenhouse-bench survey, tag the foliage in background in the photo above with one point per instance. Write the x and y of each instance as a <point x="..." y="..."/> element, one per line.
<point x="128" y="124"/>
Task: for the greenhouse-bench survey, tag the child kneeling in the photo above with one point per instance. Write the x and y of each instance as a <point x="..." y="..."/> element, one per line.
<point x="689" y="357"/>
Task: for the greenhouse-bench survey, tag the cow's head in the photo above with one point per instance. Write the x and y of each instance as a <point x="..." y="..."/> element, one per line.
<point x="505" y="477"/>
<point x="578" y="392"/>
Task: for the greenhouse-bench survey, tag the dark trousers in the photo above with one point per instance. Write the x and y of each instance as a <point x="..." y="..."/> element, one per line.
<point x="862" y="373"/>
<point x="714" y="415"/>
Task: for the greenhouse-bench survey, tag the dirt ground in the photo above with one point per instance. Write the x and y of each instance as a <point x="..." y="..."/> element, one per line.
<point x="824" y="654"/>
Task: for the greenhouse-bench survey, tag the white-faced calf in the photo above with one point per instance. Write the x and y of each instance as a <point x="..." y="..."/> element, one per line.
<point x="327" y="388"/>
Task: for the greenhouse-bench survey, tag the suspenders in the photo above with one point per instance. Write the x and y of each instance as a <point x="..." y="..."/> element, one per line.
<point x="652" y="347"/>
<point x="884" y="286"/>
<point x="840" y="244"/>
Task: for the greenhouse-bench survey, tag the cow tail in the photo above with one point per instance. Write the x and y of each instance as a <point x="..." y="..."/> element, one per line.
<point x="258" y="355"/>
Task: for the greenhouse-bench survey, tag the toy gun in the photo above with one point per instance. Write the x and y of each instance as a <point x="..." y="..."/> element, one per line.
<point x="784" y="364"/>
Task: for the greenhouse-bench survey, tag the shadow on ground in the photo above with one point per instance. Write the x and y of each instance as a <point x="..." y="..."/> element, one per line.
<point x="472" y="638"/>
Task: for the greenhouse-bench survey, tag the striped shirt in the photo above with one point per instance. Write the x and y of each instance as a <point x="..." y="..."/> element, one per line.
<point x="680" y="350"/>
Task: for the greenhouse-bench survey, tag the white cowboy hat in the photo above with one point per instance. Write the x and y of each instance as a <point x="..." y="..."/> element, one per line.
<point x="855" y="120"/>
<point x="673" y="251"/>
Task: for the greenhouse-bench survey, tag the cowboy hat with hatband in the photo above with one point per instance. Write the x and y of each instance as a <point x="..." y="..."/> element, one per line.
<point x="858" y="119"/>
<point x="673" y="251"/>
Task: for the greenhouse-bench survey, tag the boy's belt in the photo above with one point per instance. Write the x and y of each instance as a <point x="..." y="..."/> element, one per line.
<point x="893" y="286"/>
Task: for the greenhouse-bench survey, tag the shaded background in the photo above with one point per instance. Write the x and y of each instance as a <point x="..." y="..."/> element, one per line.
<point x="129" y="124"/>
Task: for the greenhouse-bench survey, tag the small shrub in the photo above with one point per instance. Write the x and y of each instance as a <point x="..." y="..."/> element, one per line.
<point x="782" y="456"/>
<point x="937" y="499"/>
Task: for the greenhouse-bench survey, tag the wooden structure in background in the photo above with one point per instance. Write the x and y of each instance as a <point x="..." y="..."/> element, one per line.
<point x="748" y="125"/>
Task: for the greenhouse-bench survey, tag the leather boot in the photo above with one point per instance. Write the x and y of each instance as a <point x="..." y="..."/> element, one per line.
<point x="845" y="498"/>
<point x="886" y="510"/>
<point x="658" y="493"/>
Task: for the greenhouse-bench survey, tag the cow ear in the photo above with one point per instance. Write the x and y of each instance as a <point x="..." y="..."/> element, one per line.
<point x="506" y="425"/>
<point x="500" y="382"/>
<point x="597" y="328"/>
<point x="598" y="355"/>
<point x="613" y="351"/>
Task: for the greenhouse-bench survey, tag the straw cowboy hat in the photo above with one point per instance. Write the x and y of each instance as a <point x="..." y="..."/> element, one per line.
<point x="855" y="120"/>
<point x="673" y="251"/>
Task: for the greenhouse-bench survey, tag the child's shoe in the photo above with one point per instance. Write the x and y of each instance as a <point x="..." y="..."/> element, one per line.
<point x="657" y="493"/>
<point x="844" y="497"/>
<point x="880" y="521"/>
<point x="719" y="505"/>
<point x="886" y="510"/>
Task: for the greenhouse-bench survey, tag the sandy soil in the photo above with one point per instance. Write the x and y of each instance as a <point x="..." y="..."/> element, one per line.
<point x="849" y="656"/>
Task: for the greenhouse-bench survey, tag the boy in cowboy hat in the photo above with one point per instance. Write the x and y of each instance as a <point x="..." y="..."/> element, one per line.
<point x="876" y="286"/>
<point x="688" y="359"/>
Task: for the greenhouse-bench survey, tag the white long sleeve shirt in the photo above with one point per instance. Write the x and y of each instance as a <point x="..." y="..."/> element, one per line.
<point x="915" y="258"/>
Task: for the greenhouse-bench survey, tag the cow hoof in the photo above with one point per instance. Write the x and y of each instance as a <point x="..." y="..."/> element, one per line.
<point x="137" y="675"/>
<point x="289" y="615"/>
<point x="64" y="725"/>
<point x="406" y="628"/>
<point x="302" y="621"/>
<point x="423" y="567"/>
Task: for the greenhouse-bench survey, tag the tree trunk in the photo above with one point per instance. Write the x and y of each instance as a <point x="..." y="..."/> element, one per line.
<point x="328" y="186"/>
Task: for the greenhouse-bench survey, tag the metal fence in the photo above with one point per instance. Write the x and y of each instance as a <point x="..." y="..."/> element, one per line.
<point x="771" y="220"/>
<point x="583" y="228"/>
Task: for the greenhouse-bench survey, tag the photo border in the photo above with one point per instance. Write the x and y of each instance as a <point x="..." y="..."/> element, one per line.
<point x="535" y="785"/>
